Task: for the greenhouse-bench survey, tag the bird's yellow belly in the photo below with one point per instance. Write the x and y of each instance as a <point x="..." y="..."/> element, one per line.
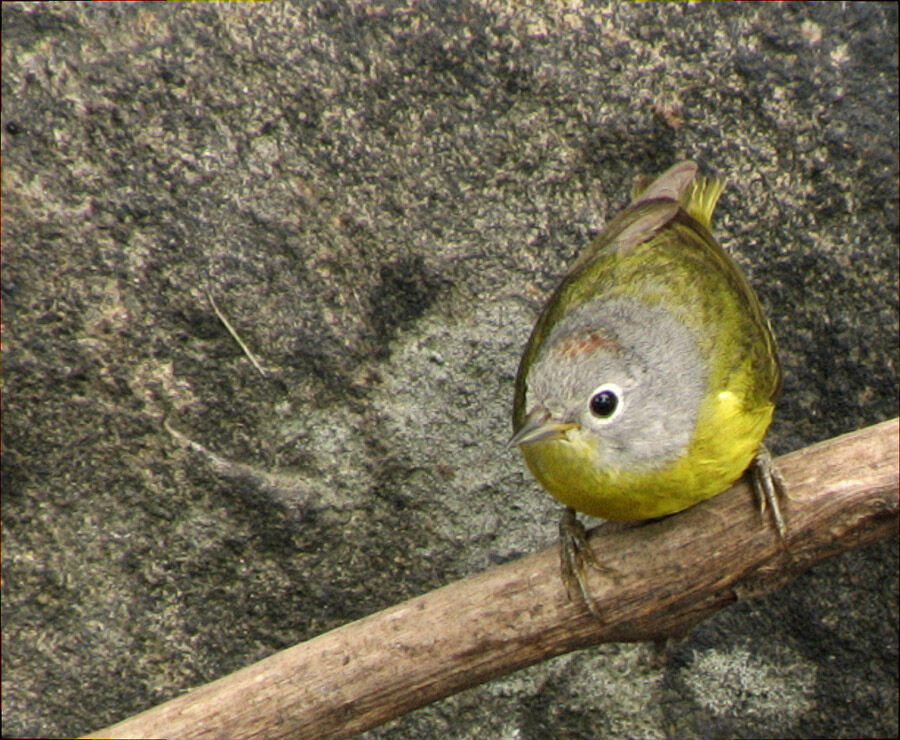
<point x="723" y="446"/>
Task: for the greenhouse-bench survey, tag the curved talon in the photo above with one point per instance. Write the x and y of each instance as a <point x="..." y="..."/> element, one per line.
<point x="574" y="553"/>
<point x="769" y="486"/>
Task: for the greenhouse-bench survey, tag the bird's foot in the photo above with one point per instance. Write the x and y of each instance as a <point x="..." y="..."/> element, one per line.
<point x="575" y="553"/>
<point x="769" y="487"/>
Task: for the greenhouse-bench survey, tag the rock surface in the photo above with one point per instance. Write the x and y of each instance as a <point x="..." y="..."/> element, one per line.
<point x="379" y="198"/>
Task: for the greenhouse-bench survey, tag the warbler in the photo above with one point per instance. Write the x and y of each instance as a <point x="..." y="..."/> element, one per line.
<point x="651" y="375"/>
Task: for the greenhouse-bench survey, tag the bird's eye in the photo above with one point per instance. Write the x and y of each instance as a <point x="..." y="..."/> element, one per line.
<point x="605" y="401"/>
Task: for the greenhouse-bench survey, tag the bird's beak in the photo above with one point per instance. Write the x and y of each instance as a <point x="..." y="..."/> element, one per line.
<point x="539" y="425"/>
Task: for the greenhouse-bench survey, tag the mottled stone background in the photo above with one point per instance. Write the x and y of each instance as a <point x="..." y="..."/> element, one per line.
<point x="379" y="197"/>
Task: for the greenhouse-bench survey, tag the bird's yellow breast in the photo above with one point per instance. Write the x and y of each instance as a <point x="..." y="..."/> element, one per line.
<point x="725" y="440"/>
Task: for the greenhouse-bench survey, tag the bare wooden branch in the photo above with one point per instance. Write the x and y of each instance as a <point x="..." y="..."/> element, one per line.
<point x="672" y="573"/>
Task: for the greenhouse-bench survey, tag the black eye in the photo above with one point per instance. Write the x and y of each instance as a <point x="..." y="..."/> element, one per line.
<point x="604" y="404"/>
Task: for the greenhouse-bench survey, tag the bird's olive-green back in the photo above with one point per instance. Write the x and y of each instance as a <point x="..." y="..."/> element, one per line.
<point x="656" y="253"/>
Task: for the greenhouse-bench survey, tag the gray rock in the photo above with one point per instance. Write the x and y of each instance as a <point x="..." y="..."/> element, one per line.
<point x="380" y="198"/>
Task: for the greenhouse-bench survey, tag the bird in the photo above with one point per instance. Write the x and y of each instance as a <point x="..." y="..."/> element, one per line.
<point x="651" y="375"/>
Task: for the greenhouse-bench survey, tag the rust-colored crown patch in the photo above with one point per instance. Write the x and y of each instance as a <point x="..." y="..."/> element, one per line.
<point x="583" y="342"/>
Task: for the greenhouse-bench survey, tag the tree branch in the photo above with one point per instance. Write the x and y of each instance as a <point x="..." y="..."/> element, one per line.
<point x="672" y="573"/>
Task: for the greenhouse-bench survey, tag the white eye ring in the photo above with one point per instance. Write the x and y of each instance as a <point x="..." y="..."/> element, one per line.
<point x="605" y="403"/>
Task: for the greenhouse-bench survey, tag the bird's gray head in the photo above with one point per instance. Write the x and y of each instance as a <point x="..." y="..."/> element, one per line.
<point x="629" y="373"/>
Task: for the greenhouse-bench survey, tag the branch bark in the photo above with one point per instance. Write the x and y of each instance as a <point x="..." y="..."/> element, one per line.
<point x="671" y="574"/>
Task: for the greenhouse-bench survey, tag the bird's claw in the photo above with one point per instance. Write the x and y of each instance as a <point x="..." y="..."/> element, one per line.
<point x="575" y="553"/>
<point x="769" y="486"/>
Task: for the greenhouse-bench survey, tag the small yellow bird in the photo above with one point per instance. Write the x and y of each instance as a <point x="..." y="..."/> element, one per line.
<point x="651" y="375"/>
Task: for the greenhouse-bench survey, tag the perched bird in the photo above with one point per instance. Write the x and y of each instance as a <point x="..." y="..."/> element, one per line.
<point x="651" y="375"/>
